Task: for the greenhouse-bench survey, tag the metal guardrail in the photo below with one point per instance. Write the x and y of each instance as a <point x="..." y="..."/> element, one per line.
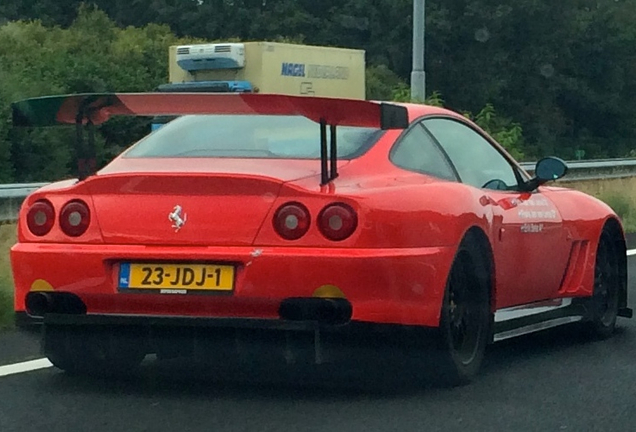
<point x="18" y="190"/>
<point x="595" y="169"/>
<point x="12" y="195"/>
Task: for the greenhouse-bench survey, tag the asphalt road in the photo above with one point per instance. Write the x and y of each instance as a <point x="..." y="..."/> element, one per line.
<point x="554" y="381"/>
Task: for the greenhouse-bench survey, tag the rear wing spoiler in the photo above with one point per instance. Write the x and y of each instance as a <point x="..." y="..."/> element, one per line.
<point x="95" y="108"/>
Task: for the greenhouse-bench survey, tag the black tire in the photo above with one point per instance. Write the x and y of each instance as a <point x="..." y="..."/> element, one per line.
<point x="80" y="351"/>
<point x="465" y="317"/>
<point x="604" y="302"/>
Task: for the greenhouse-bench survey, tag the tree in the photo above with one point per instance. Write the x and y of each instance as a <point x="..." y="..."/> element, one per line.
<point x="91" y="55"/>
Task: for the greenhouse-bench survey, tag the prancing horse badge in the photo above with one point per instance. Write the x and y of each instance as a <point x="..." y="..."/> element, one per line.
<point x="178" y="218"/>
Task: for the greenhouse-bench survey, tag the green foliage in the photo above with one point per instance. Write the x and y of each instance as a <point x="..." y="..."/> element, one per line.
<point x="6" y="304"/>
<point x="6" y="167"/>
<point x="402" y="93"/>
<point x="506" y="132"/>
<point x="381" y="83"/>
<point x="619" y="203"/>
<point x="434" y="99"/>
<point x="7" y="239"/>
<point x="42" y="154"/>
<point x="91" y="55"/>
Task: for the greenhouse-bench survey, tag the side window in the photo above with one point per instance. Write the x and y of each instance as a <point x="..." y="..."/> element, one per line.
<point x="417" y="151"/>
<point x="477" y="162"/>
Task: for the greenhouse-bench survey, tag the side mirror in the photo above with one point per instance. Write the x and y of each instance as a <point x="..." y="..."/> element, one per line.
<point x="550" y="168"/>
<point x="547" y="169"/>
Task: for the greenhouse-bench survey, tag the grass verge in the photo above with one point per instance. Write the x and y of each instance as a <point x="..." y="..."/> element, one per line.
<point x="619" y="194"/>
<point x="623" y="208"/>
<point x="7" y="239"/>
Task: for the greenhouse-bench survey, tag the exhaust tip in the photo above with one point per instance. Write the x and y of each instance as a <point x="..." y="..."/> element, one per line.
<point x="38" y="304"/>
<point x="323" y="310"/>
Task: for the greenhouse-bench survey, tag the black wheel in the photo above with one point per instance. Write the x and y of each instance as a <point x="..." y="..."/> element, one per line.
<point x="605" y="299"/>
<point x="92" y="352"/>
<point x="465" y="319"/>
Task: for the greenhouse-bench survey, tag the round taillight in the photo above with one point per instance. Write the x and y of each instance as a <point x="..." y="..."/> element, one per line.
<point x="292" y="221"/>
<point x="337" y="221"/>
<point x="40" y="218"/>
<point x="75" y="218"/>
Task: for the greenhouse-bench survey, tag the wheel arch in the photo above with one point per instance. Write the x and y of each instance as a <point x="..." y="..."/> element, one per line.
<point x="478" y="236"/>
<point x="615" y="230"/>
<point x="455" y="367"/>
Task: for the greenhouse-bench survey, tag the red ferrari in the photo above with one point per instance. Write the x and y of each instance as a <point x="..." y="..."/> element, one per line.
<point x="291" y="221"/>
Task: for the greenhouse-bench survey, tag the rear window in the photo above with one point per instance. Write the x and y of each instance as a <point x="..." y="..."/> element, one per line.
<point x="249" y="136"/>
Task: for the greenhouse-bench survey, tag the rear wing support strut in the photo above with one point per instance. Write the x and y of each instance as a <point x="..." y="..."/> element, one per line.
<point x="334" y="154"/>
<point x="86" y="155"/>
<point x="328" y="161"/>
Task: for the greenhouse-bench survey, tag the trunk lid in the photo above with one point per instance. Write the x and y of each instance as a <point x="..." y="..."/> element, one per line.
<point x="164" y="205"/>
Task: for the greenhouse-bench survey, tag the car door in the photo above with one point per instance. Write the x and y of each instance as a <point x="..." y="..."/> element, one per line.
<point x="530" y="248"/>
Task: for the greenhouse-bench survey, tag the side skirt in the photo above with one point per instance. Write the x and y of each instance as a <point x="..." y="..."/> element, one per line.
<point x="534" y="317"/>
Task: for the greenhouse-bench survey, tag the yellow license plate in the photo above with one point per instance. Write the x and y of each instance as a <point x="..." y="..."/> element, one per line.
<point x="201" y="277"/>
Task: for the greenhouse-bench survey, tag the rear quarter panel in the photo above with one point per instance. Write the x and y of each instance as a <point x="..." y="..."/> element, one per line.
<point x="421" y="215"/>
<point x="401" y="210"/>
<point x="583" y="219"/>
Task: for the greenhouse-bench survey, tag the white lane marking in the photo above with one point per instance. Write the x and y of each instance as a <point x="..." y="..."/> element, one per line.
<point x="43" y="363"/>
<point x="28" y="366"/>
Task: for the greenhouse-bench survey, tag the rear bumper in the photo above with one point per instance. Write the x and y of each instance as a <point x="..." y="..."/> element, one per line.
<point x="392" y="286"/>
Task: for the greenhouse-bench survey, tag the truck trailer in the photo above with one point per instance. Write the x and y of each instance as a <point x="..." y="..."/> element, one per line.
<point x="267" y="67"/>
